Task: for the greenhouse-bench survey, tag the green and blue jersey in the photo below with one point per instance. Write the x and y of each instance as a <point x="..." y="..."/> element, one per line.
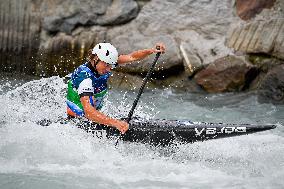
<point x="85" y="81"/>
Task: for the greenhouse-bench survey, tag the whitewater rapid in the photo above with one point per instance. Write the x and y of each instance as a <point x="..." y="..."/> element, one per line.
<point x="63" y="156"/>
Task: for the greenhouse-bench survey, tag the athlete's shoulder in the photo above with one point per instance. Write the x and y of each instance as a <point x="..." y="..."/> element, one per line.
<point x="83" y="74"/>
<point x="87" y="82"/>
<point x="86" y="86"/>
<point x="79" y="75"/>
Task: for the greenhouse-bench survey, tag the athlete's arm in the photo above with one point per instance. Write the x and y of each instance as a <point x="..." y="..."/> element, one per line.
<point x="140" y="54"/>
<point x="85" y="90"/>
<point x="92" y="114"/>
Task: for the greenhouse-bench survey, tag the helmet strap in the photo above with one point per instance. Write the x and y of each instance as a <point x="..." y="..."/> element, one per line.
<point x="95" y="65"/>
<point x="97" y="61"/>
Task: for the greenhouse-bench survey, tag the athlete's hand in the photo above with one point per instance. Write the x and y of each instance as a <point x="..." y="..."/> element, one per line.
<point x="159" y="47"/>
<point x="122" y="126"/>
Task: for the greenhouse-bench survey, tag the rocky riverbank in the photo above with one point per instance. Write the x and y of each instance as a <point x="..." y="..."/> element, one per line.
<point x="212" y="46"/>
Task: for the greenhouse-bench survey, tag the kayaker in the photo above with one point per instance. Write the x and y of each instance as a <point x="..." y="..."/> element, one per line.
<point x="87" y="86"/>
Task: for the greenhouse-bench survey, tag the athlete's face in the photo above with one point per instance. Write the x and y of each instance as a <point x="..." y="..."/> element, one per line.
<point x="101" y="66"/>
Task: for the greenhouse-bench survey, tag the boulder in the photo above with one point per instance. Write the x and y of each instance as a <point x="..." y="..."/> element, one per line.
<point x="166" y="61"/>
<point x="126" y="81"/>
<point x="225" y="75"/>
<point x="20" y="30"/>
<point x="65" y="16"/>
<point x="120" y="12"/>
<point x="191" y="59"/>
<point x="198" y="51"/>
<point x="19" y="35"/>
<point x="180" y="83"/>
<point x="263" y="62"/>
<point x="258" y="37"/>
<point x="272" y="86"/>
<point x="173" y="23"/>
<point x="62" y="53"/>
<point x="247" y="9"/>
<point x="141" y="3"/>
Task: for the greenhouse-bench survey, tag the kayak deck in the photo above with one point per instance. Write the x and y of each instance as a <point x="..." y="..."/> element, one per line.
<point x="163" y="132"/>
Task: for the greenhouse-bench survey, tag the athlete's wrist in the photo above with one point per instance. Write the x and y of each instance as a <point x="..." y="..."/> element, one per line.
<point x="151" y="51"/>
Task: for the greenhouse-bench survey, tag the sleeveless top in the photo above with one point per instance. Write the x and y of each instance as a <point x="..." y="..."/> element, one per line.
<point x="86" y="82"/>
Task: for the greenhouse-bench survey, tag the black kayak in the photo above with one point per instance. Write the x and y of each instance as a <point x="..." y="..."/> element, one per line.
<point x="164" y="132"/>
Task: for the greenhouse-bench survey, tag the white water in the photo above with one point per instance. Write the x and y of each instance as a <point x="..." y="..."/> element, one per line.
<point x="62" y="156"/>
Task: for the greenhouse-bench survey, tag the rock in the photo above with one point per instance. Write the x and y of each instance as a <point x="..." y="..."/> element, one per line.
<point x="225" y="75"/>
<point x="197" y="51"/>
<point x="167" y="16"/>
<point x="173" y="23"/>
<point x="19" y="35"/>
<point x="180" y="83"/>
<point x="247" y="9"/>
<point x="258" y="37"/>
<point x="120" y="12"/>
<point x="66" y="15"/>
<point x="191" y="60"/>
<point x="63" y="15"/>
<point x="191" y="30"/>
<point x="207" y="49"/>
<point x="272" y="86"/>
<point x="62" y="53"/>
<point x="141" y="3"/>
<point x="88" y="38"/>
<point x="60" y="43"/>
<point x="263" y="62"/>
<point x="125" y="81"/>
<point x="81" y="39"/>
<point x="254" y="85"/>
<point x="125" y="46"/>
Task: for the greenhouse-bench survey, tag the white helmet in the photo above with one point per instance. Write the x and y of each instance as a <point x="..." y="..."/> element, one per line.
<point x="106" y="52"/>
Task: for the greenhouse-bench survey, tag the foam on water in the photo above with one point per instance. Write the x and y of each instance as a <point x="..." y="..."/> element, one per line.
<point x="63" y="156"/>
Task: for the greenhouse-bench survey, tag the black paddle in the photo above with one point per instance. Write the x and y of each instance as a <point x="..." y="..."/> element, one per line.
<point x="142" y="89"/>
<point x="143" y="86"/>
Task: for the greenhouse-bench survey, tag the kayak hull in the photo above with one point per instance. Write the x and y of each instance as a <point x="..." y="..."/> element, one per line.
<point x="164" y="132"/>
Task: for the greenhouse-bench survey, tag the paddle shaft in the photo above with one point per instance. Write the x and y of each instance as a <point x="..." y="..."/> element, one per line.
<point x="142" y="87"/>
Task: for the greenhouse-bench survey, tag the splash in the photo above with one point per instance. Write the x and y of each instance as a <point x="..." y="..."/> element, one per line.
<point x="63" y="156"/>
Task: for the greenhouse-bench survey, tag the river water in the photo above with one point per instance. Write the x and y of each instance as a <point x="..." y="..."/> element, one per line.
<point x="63" y="156"/>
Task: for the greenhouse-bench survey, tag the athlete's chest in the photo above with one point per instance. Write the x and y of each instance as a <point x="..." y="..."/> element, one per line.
<point x="100" y="83"/>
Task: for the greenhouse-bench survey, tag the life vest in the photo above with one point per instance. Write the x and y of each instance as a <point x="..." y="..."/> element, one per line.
<point x="99" y="84"/>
